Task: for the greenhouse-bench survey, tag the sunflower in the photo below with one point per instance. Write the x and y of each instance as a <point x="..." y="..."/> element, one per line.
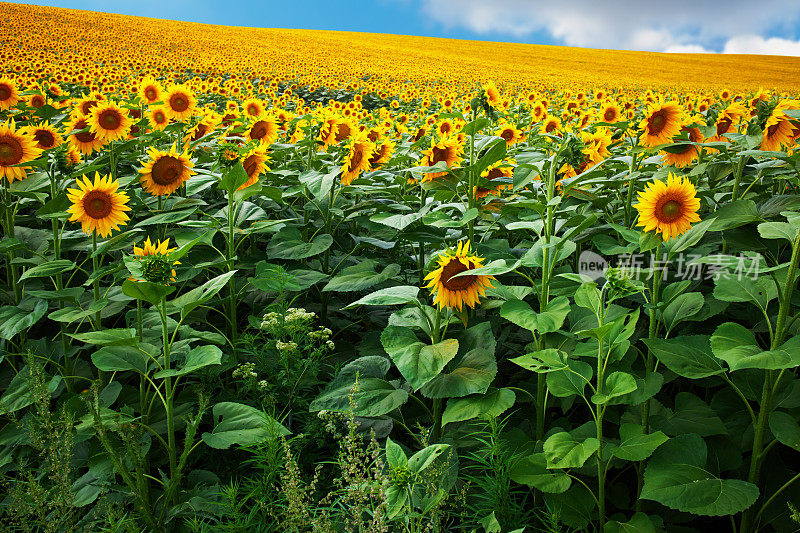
<point x="360" y="151"/>
<point x="85" y="141"/>
<point x="98" y="206"/>
<point x="254" y="163"/>
<point x="455" y="292"/>
<point x="685" y="154"/>
<point x="264" y="130"/>
<point x="45" y="135"/>
<point x="661" y="123"/>
<point x="9" y="96"/>
<point x="158" y="116"/>
<point x="149" y="90"/>
<point x="15" y="148"/>
<point x="492" y="94"/>
<point x="778" y="129"/>
<point x="498" y="170"/>
<point x="510" y="133"/>
<point x="447" y="149"/>
<point x="669" y="208"/>
<point x="253" y="107"/>
<point x="551" y="125"/>
<point x="109" y="122"/>
<point x="383" y="152"/>
<point x="36" y="101"/>
<point x="181" y="102"/>
<point x="165" y="172"/>
<point x="610" y="113"/>
<point x="725" y="121"/>
<point x="72" y="156"/>
<point x="149" y="249"/>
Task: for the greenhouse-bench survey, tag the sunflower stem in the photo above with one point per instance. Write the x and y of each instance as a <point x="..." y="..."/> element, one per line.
<point x="231" y="251"/>
<point x="629" y="197"/>
<point x="12" y="268"/>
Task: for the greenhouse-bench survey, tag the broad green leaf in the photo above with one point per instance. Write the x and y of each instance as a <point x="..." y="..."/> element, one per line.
<point x="360" y="277"/>
<point x="691" y="415"/>
<point x="532" y="471"/>
<point x="121" y="358"/>
<point x="73" y="314"/>
<point x="49" y="268"/>
<point x="187" y="302"/>
<point x="777" y="230"/>
<point x="400" y="295"/>
<point x="735" y="214"/>
<point x="639" y="523"/>
<point x="785" y="428"/>
<point x="146" y="290"/>
<point x="234" y="178"/>
<point x="737" y="346"/>
<point x="570" y="381"/>
<point x="491" y="404"/>
<point x="197" y="358"/>
<point x="682" y="307"/>
<point x="372" y="397"/>
<point x="547" y="360"/>
<point x="635" y="445"/>
<point x="689" y="356"/>
<point x="107" y="337"/>
<point x="15" y="319"/>
<point x="418" y="362"/>
<point x="736" y="288"/>
<point x="18" y="393"/>
<point x="690" y="238"/>
<point x="395" y="456"/>
<point x="236" y="423"/>
<point x="617" y="384"/>
<point x="562" y="450"/>
<point x="551" y="319"/>
<point x="288" y="243"/>
<point x="424" y="458"/>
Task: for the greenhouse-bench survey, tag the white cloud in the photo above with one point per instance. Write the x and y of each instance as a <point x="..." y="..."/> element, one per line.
<point x="695" y="26"/>
<point x="754" y="44"/>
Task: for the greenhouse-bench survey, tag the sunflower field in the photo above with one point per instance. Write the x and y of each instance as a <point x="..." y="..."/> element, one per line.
<point x="276" y="280"/>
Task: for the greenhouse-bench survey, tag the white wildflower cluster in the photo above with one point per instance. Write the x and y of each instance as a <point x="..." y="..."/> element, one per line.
<point x="245" y="371"/>
<point x="294" y="316"/>
<point x="286" y="347"/>
<point x="263" y="384"/>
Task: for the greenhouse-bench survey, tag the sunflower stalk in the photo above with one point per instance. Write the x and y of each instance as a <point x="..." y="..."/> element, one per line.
<point x="10" y="210"/>
<point x="230" y="252"/>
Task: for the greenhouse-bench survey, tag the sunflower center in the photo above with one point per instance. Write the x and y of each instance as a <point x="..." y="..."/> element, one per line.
<point x="657" y="122"/>
<point x="507" y="135"/>
<point x="37" y="101"/>
<point x="494" y="174"/>
<point x="772" y="129"/>
<point x="151" y="94"/>
<point x="5" y="92"/>
<point x="259" y="130"/>
<point x="670" y="210"/>
<point x="343" y="132"/>
<point x="200" y="132"/>
<point x="97" y="204"/>
<point x="87" y="106"/>
<point x="179" y="102"/>
<point x="44" y="138"/>
<point x="358" y="156"/>
<point x="723" y="126"/>
<point x="110" y="119"/>
<point x="159" y="117"/>
<point x="440" y="154"/>
<point x="610" y="115"/>
<point x="10" y="151"/>
<point x="252" y="109"/>
<point x="456" y="284"/>
<point x="550" y="127"/>
<point x="166" y="170"/>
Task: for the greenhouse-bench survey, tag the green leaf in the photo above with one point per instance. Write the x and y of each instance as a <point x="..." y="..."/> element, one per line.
<point x="472" y="373"/>
<point x="372" y="397"/>
<point x="400" y="295"/>
<point x="562" y="450"/>
<point x="588" y="297"/>
<point x="532" y="471"/>
<point x="47" y="269"/>
<point x="15" y="319"/>
<point x="361" y="276"/>
<point x="691" y="415"/>
<point x="785" y="428"/>
<point x="491" y="404"/>
<point x="236" y="423"/>
<point x="570" y="381"/>
<point x="635" y="445"/>
<point x="542" y="361"/>
<point x="551" y="319"/>
<point x="737" y="346"/>
<point x="234" y="178"/>
<point x="107" y="337"/>
<point x="682" y="307"/>
<point x="688" y="356"/>
<point x="197" y="358"/>
<point x="690" y="238"/>
<point x="147" y="291"/>
<point x="18" y="393"/>
<point x="188" y="301"/>
<point x="639" y="523"/>
<point x="617" y="384"/>
<point x="777" y="230"/>
<point x="732" y="288"/>
<point x="121" y="358"/>
<point x="288" y="243"/>
<point x="418" y="362"/>
<point x="735" y="214"/>
<point x="395" y="456"/>
<point x="494" y="154"/>
<point x="424" y="458"/>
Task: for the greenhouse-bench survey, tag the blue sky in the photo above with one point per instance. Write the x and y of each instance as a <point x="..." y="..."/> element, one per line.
<point x="741" y="26"/>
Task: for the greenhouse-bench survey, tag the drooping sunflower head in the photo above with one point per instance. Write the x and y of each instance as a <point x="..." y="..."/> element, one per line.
<point x="448" y="149"/>
<point x="109" y="121"/>
<point x="45" y="135"/>
<point x="255" y="164"/>
<point x="685" y="154"/>
<point x="15" y="148"/>
<point x="97" y="205"/>
<point x="264" y="130"/>
<point x="357" y="160"/>
<point x="9" y="96"/>
<point x="454" y="292"/>
<point x="165" y="172"/>
<point x="180" y="102"/>
<point x="492" y="93"/>
<point x="668" y="208"/>
<point x="662" y="122"/>
<point x="382" y="154"/>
